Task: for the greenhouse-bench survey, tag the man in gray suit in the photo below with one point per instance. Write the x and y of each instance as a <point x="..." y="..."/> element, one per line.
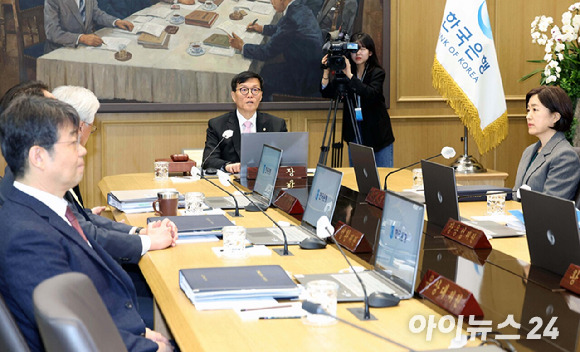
<point x="72" y="22"/>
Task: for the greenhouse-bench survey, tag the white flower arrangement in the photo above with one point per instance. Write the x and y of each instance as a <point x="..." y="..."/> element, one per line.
<point x="562" y="52"/>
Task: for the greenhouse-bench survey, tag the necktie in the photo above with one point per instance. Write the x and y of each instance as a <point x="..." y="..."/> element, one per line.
<point x="74" y="222"/>
<point x="82" y="10"/>
<point x="248" y="127"/>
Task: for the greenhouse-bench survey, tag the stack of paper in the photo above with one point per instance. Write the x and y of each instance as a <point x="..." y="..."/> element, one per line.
<point x="136" y="201"/>
<point x="238" y="282"/>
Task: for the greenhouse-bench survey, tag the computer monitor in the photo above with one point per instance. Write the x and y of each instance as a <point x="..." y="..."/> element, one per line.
<point x="267" y="172"/>
<point x="322" y="196"/>
<point x="440" y="192"/>
<point x="294" y="145"/>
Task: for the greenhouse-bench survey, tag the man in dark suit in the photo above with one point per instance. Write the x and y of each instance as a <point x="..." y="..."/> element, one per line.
<point x="72" y="22"/>
<point x="247" y="94"/>
<point x="292" y="54"/>
<point x="41" y="238"/>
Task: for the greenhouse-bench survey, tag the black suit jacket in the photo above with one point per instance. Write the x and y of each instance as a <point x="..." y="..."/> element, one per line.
<point x="229" y="150"/>
<point x="376" y="128"/>
<point x="111" y="235"/>
<point x="37" y="244"/>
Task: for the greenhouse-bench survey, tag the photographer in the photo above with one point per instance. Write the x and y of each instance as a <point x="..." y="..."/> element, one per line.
<point x="365" y="78"/>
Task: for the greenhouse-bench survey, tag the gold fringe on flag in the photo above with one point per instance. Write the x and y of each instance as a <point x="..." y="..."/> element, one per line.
<point x="486" y="139"/>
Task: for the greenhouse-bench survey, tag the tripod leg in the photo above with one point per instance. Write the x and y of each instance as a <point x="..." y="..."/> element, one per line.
<point x="324" y="147"/>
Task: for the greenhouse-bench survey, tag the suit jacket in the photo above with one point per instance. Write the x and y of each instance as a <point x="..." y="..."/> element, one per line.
<point x="344" y="20"/>
<point x="111" y="235"/>
<point x="555" y="171"/>
<point x="292" y="54"/>
<point x="229" y="150"/>
<point x="375" y="128"/>
<point x="63" y="23"/>
<point x="37" y="244"/>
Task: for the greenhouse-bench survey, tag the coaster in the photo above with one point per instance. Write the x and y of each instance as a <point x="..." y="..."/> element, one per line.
<point x="123" y="55"/>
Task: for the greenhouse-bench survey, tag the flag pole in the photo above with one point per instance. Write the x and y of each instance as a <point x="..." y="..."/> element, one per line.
<point x="466" y="163"/>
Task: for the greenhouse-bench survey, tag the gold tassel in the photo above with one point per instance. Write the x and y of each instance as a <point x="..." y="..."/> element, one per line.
<point x="486" y="139"/>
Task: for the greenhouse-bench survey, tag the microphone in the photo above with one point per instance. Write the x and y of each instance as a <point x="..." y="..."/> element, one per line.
<point x="324" y="230"/>
<point x="446" y="152"/>
<point x="518" y="196"/>
<point x="196" y="172"/>
<point x="315" y="308"/>
<point x="225" y="180"/>
<point x="226" y="135"/>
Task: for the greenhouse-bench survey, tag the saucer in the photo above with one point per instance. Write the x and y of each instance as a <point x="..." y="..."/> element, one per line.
<point x="178" y="20"/>
<point x="192" y="53"/>
<point x="209" y="8"/>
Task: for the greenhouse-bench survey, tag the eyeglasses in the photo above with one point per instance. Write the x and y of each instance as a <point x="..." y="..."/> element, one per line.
<point x="93" y="127"/>
<point x="76" y="142"/>
<point x="245" y="91"/>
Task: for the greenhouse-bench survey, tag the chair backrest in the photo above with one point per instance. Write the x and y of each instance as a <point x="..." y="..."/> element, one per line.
<point x="30" y="34"/>
<point x="71" y="316"/>
<point x="11" y="338"/>
<point x="577" y="198"/>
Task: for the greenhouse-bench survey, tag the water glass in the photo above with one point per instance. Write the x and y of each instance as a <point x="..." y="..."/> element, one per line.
<point x="234" y="241"/>
<point x="323" y="292"/>
<point x="417" y="178"/>
<point x="161" y="170"/>
<point x="194" y="202"/>
<point x="495" y="203"/>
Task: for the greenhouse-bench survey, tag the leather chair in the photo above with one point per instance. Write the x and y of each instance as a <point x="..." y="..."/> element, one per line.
<point x="11" y="338"/>
<point x="71" y="316"/>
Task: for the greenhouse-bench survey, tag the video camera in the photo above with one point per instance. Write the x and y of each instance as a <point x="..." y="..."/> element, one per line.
<point x="337" y="49"/>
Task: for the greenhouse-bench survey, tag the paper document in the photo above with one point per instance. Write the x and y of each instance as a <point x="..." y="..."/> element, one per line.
<point x="158" y="11"/>
<point x="149" y="27"/>
<point x="113" y="44"/>
<point x="141" y="19"/>
<point x="262" y="8"/>
<point x="230" y="27"/>
<point x="221" y="51"/>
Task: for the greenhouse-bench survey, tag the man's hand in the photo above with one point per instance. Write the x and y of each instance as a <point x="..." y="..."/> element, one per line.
<point x="126" y="25"/>
<point x="233" y="168"/>
<point x="90" y="40"/>
<point x="98" y="210"/>
<point x="236" y="42"/>
<point x="162" y="341"/>
<point x="163" y="234"/>
<point x="254" y="27"/>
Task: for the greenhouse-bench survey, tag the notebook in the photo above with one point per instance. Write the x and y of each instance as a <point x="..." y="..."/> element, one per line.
<point x="396" y="259"/>
<point x="551" y="231"/>
<point x="365" y="167"/>
<point x="197" y="224"/>
<point x="264" y="186"/>
<point x="321" y="201"/>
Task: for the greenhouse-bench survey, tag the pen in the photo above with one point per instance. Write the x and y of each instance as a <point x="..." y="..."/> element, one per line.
<point x="274" y="307"/>
<point x="292" y="317"/>
<point x="253" y="23"/>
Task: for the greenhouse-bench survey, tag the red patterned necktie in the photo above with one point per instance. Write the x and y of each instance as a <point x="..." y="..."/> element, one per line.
<point x="74" y="222"/>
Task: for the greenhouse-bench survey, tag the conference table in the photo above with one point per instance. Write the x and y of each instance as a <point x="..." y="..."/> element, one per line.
<point x="159" y="75"/>
<point x="498" y="279"/>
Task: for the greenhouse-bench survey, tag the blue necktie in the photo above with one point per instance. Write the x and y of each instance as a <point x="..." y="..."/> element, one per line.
<point x="82" y="10"/>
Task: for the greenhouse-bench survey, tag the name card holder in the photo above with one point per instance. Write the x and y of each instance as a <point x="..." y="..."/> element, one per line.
<point x="284" y="172"/>
<point x="448" y="295"/>
<point x="376" y="197"/>
<point x="288" y="203"/>
<point x="465" y="234"/>
<point x="352" y="239"/>
<point x="571" y="279"/>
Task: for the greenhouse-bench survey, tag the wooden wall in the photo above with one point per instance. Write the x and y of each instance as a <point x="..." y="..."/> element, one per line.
<point x="422" y="122"/>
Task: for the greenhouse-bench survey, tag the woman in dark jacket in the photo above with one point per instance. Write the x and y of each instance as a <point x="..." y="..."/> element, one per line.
<point x="365" y="90"/>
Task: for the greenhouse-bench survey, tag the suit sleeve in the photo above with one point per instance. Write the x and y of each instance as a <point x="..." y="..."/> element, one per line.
<point x="54" y="31"/>
<point x="124" y="248"/>
<point x="563" y="175"/>
<point x="101" y="17"/>
<point x="107" y="223"/>
<point x="372" y="90"/>
<point x="281" y="34"/>
<point x="212" y="139"/>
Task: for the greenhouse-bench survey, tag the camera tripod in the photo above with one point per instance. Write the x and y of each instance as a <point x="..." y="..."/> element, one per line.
<point x="341" y="95"/>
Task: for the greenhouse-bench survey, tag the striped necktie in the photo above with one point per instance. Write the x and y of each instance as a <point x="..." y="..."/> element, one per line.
<point x="83" y="10"/>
